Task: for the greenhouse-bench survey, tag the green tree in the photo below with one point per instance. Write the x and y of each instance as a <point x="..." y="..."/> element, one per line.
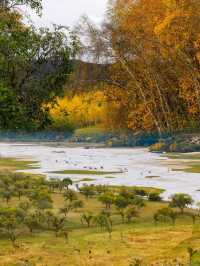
<point x="7" y="194"/>
<point x="70" y="195"/>
<point x="34" y="66"/>
<point x="131" y="213"/>
<point x="121" y="203"/>
<point x="58" y="224"/>
<point x="87" y="191"/>
<point x="107" y="198"/>
<point x="66" y="208"/>
<point x="10" y="221"/>
<point x="32" y="222"/>
<point x="87" y="218"/>
<point x="67" y="182"/>
<point x="181" y="201"/>
<point x="166" y="213"/>
<point x="191" y="253"/>
<point x="42" y="199"/>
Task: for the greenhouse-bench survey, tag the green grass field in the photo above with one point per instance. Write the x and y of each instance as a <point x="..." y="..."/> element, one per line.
<point x="191" y="161"/>
<point x="84" y="172"/>
<point x="15" y="164"/>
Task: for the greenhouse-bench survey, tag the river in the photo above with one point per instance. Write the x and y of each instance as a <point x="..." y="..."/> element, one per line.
<point x="137" y="166"/>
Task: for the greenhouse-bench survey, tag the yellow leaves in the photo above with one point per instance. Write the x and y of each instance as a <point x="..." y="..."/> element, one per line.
<point x="80" y="110"/>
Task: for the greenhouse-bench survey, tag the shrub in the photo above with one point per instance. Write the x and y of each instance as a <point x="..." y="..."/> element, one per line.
<point x="153" y="196"/>
<point x="158" y="147"/>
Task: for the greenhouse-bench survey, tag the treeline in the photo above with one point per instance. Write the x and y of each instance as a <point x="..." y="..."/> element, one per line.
<point x="152" y="48"/>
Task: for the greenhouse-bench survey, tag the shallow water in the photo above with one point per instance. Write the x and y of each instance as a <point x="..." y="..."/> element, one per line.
<point x="136" y="164"/>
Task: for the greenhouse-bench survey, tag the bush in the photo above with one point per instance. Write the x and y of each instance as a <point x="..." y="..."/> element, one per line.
<point x="173" y="147"/>
<point x="153" y="196"/>
<point x="158" y="147"/>
<point x="140" y="192"/>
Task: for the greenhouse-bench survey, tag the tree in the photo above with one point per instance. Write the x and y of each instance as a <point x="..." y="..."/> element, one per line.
<point x="19" y="188"/>
<point x="107" y="198"/>
<point x="121" y="203"/>
<point x="70" y="195"/>
<point x="87" y="218"/>
<point x="67" y="208"/>
<point x="87" y="191"/>
<point x="153" y="81"/>
<point x="10" y="223"/>
<point x="67" y="182"/>
<point x="53" y="184"/>
<point x="25" y="206"/>
<point x="42" y="199"/>
<point x="100" y="220"/>
<point x="12" y="4"/>
<point x="48" y="218"/>
<point x="109" y="226"/>
<point x="154" y="196"/>
<point x="166" y="213"/>
<point x="191" y="253"/>
<point x="34" y="67"/>
<point x="7" y="194"/>
<point x="181" y="201"/>
<point x="32" y="222"/>
<point x="58" y="224"/>
<point x="138" y="202"/>
<point x="78" y="204"/>
<point x="131" y="213"/>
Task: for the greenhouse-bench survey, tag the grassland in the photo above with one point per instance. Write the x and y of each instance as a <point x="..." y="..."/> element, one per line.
<point x="84" y="172"/>
<point x="92" y="246"/>
<point x="162" y="244"/>
<point x="13" y="164"/>
<point x="189" y="163"/>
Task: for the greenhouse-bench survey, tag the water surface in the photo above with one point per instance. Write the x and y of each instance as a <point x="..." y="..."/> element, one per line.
<point x="138" y="166"/>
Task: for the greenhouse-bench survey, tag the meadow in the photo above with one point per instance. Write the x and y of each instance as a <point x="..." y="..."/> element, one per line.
<point x="102" y="228"/>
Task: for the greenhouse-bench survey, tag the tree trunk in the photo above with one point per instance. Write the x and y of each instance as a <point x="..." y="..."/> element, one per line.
<point x="142" y="94"/>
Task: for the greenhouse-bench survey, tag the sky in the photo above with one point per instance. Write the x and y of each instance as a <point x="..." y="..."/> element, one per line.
<point x="67" y="12"/>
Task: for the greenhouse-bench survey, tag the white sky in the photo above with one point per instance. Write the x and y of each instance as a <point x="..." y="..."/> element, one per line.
<point x="67" y="12"/>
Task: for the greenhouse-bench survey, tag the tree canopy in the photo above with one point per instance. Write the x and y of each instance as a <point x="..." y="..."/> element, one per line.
<point x="34" y="66"/>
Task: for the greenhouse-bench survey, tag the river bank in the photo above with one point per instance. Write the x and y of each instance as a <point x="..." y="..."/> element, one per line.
<point x="98" y="137"/>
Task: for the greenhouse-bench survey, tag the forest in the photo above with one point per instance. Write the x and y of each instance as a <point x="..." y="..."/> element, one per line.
<point x="138" y="71"/>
